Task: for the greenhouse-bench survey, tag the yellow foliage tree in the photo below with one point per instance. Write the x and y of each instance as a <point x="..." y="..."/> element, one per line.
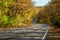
<point x="24" y="10"/>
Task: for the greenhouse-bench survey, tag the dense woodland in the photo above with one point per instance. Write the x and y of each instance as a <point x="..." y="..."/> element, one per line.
<point x="18" y="13"/>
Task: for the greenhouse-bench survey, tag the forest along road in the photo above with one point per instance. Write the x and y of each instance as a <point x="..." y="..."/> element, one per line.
<point x="37" y="31"/>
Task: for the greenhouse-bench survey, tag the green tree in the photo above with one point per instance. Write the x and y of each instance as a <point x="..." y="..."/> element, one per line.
<point x="4" y="18"/>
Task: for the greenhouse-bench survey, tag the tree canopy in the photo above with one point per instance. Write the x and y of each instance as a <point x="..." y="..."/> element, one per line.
<point x="53" y="9"/>
<point x="17" y="12"/>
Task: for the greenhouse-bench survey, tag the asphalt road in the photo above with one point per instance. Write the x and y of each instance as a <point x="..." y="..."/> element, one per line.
<point x="35" y="32"/>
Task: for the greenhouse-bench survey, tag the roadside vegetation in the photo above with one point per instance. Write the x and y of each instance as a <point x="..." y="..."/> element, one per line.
<point x="18" y="13"/>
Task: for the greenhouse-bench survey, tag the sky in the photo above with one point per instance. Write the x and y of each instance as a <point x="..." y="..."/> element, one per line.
<point x="40" y="2"/>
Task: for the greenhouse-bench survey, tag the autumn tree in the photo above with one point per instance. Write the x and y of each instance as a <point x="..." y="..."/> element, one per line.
<point x="18" y="12"/>
<point x="54" y="11"/>
<point x="26" y="10"/>
<point x="43" y="16"/>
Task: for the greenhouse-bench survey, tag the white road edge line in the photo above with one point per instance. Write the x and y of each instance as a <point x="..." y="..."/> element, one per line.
<point x="45" y="34"/>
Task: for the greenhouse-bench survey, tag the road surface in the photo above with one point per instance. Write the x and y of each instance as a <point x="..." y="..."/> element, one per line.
<point x="35" y="32"/>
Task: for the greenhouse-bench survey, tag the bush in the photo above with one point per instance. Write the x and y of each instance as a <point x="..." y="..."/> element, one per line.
<point x="4" y="20"/>
<point x="57" y="23"/>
